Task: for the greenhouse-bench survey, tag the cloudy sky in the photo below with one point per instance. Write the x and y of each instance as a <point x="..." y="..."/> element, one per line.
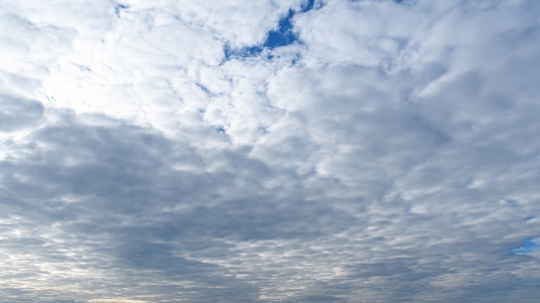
<point x="269" y="151"/>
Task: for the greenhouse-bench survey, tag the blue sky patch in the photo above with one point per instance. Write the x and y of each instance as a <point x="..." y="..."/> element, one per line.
<point x="282" y="36"/>
<point x="308" y="6"/>
<point x="529" y="246"/>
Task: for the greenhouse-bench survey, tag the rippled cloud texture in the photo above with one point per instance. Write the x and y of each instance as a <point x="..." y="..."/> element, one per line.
<point x="269" y="151"/>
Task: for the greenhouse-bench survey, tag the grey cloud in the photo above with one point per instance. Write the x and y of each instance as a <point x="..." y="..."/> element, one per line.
<point x="17" y="112"/>
<point x="111" y="186"/>
<point x="395" y="160"/>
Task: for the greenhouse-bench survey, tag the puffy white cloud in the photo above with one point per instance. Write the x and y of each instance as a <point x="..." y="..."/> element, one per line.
<point x="389" y="154"/>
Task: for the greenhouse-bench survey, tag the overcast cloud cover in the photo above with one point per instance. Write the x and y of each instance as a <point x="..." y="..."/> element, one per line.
<point x="269" y="151"/>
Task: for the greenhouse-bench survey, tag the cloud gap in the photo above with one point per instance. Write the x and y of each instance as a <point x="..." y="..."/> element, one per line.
<point x="283" y="36"/>
<point x="529" y="246"/>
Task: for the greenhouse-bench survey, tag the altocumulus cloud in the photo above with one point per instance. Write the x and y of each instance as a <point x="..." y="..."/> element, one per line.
<point x="269" y="151"/>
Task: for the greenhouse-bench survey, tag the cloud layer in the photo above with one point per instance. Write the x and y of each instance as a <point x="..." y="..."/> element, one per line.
<point x="167" y="152"/>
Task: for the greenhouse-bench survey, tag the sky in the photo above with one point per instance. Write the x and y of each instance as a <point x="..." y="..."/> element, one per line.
<point x="292" y="151"/>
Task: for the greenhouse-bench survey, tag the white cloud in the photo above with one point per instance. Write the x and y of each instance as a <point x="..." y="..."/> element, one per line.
<point x="388" y="155"/>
